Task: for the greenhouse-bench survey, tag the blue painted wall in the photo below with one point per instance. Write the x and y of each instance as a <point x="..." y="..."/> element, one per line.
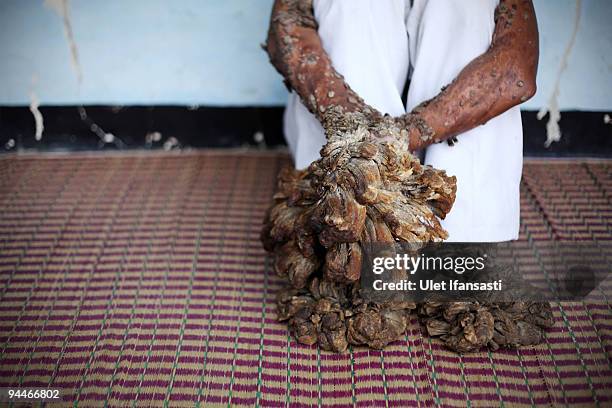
<point x="193" y="52"/>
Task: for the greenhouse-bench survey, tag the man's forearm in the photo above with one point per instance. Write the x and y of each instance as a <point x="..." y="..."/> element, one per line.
<point x="499" y="79"/>
<point x="296" y="51"/>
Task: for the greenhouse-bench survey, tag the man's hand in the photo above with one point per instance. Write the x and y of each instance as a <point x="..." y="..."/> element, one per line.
<point x="502" y="77"/>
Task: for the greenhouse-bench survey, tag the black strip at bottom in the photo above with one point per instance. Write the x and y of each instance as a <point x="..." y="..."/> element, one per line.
<point x="156" y="127"/>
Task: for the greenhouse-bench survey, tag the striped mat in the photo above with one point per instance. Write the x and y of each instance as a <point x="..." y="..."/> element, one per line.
<point x="139" y="280"/>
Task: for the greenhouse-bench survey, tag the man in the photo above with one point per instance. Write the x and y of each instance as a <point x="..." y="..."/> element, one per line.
<point x="470" y="62"/>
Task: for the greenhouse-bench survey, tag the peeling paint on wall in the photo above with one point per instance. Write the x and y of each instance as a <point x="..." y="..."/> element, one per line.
<point x="171" y="143"/>
<point x="104" y="136"/>
<point x="62" y="8"/>
<point x="553" y="131"/>
<point x="38" y="117"/>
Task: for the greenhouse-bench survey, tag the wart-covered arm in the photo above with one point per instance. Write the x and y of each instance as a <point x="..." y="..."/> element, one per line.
<point x="296" y="51"/>
<point x="502" y="77"/>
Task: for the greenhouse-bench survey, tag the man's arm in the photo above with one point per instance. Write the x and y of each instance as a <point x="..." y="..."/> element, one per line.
<point x="296" y="51"/>
<point x="499" y="79"/>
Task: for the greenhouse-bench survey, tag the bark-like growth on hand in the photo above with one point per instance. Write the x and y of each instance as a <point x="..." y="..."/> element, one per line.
<point x="469" y="326"/>
<point x="366" y="188"/>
